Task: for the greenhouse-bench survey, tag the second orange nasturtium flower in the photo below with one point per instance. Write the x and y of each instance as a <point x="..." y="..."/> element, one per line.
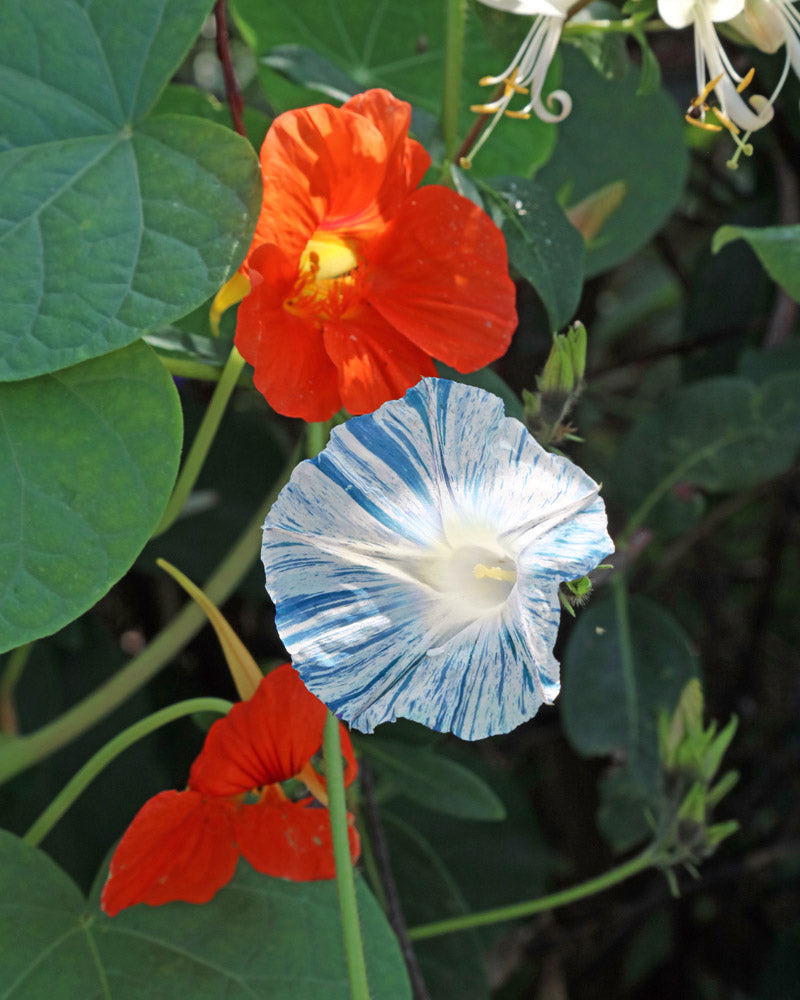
<point x="186" y="845"/>
<point x="357" y="278"/>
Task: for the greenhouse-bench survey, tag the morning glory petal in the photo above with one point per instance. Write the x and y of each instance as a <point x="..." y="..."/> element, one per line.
<point x="415" y="563"/>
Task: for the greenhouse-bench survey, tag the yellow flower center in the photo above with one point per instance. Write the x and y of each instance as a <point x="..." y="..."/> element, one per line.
<point x="327" y="284"/>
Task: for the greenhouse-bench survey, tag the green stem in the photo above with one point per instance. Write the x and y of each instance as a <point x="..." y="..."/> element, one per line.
<point x="202" y="371"/>
<point x="317" y="437"/>
<point x="337" y="808"/>
<point x="17" y="660"/>
<point x="112" y="749"/>
<point x="202" y="440"/>
<point x="22" y="752"/>
<point x="531" y="906"/>
<point x="455" y="23"/>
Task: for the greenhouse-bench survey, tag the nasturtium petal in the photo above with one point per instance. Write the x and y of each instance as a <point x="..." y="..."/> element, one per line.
<point x="415" y="563"/>
<point x="111" y="222"/>
<point x="88" y="457"/>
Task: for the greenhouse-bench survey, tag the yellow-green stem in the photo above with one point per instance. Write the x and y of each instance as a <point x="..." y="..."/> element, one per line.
<point x="206" y="433"/>
<point x="70" y="792"/>
<point x="337" y="808"/>
<point x="455" y="25"/>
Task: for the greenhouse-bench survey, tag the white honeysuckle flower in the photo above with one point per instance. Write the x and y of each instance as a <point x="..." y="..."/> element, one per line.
<point x="710" y="56"/>
<point x="527" y="70"/>
<point x="768" y="24"/>
<point x="415" y="563"/>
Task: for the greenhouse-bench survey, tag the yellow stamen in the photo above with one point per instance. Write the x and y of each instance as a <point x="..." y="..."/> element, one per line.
<point x="706" y="126"/>
<point x="747" y="79"/>
<point x="522" y="115"/>
<point x="482" y="572"/>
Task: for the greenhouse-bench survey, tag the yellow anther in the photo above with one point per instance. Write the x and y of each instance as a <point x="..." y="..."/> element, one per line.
<point x="747" y="79"/>
<point x="733" y="129"/>
<point x="481" y="572"/>
<point x="706" y="126"/>
<point x="523" y="115"/>
<point x="702" y="97"/>
<point x="485" y="109"/>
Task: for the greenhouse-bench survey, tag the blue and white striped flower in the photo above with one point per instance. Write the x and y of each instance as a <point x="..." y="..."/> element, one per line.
<point x="415" y="563"/>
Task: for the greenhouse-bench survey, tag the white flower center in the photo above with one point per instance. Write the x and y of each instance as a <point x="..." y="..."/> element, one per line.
<point x="475" y="578"/>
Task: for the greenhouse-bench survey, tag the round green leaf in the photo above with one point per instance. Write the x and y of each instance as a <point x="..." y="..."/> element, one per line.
<point x="111" y="223"/>
<point x="88" y="457"/>
<point x="614" y="134"/>
<point x="259" y="936"/>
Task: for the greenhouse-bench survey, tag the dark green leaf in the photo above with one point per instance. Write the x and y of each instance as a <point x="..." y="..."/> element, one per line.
<point x="433" y="780"/>
<point x="88" y="457"/>
<point x="719" y="434"/>
<point x="623" y="664"/>
<point x="542" y="243"/>
<point x="258" y="936"/>
<point x="112" y="222"/>
<point x="614" y="135"/>
<point x="451" y="965"/>
<point x="777" y="247"/>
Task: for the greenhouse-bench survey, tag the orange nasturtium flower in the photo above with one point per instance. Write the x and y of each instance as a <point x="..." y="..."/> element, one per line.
<point x="357" y="279"/>
<point x="185" y="845"/>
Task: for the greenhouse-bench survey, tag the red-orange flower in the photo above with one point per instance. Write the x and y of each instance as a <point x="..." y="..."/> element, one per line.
<point x="185" y="845"/>
<point x="356" y="278"/>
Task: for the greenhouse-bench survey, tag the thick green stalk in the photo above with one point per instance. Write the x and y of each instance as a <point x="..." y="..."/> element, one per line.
<point x="70" y="792"/>
<point x="206" y="433"/>
<point x="20" y="753"/>
<point x="337" y="808"/>
<point x="199" y="370"/>
<point x="455" y="24"/>
<point x="532" y="906"/>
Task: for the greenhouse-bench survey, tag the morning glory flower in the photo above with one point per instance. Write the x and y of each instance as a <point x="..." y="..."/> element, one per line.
<point x="527" y="71"/>
<point x="415" y="563"/>
<point x="727" y="84"/>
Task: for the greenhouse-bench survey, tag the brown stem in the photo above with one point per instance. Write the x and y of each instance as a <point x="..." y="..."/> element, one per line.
<point x="232" y="91"/>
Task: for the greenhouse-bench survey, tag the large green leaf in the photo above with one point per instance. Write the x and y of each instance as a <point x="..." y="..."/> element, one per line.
<point x="613" y="134"/>
<point x="112" y="222"/>
<point x="392" y="44"/>
<point x="258" y="937"/>
<point x="626" y="660"/>
<point x="720" y="434"/>
<point x="777" y="247"/>
<point x="88" y="457"/>
<point x="542" y="243"/>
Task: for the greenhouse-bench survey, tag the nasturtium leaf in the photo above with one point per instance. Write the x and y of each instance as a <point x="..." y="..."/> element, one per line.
<point x="614" y="134"/>
<point x="259" y="936"/>
<point x="88" y="457"/>
<point x="777" y="247"/>
<point x="542" y="243"/>
<point x="626" y="660"/>
<point x="719" y="434"/>
<point x="113" y="222"/>
<point x="433" y="780"/>
<point x="308" y="55"/>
